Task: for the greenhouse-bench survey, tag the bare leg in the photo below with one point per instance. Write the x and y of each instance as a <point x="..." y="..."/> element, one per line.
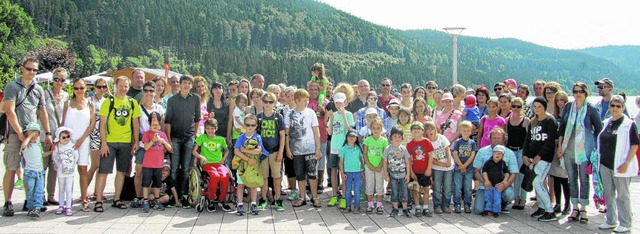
<point x="137" y="180"/>
<point x="334" y="181"/>
<point x="101" y="182"/>
<point x="84" y="183"/>
<point x="8" y="182"/>
<point x="118" y="185"/>
<point x="313" y="185"/>
<point x="277" y="186"/>
<point x="302" y="186"/>
<point x="95" y="163"/>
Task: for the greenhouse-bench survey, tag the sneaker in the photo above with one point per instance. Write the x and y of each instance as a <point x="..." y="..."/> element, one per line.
<point x="263" y="204"/>
<point x="427" y="213"/>
<point x="357" y="210"/>
<point x="59" y="210"/>
<point x="293" y="195"/>
<point x="548" y="217"/>
<point x="332" y="202"/>
<point x="406" y="213"/>
<point x="24" y="207"/>
<point x="607" y="226"/>
<point x="159" y="206"/>
<point x="418" y="213"/>
<point x="394" y="212"/>
<point x="446" y="210"/>
<point x="211" y="207"/>
<point x="240" y="210"/>
<point x="457" y="208"/>
<point x="19" y="184"/>
<point x="505" y="209"/>
<point x="347" y="210"/>
<point x="136" y="203"/>
<point x="467" y="209"/>
<point x="557" y="209"/>
<point x="496" y="215"/>
<point x="53" y="202"/>
<point x="279" y="206"/>
<point x="620" y="229"/>
<point x="369" y="210"/>
<point x="145" y="207"/>
<point x="225" y="207"/>
<point x="35" y="214"/>
<point x="379" y="210"/>
<point x="7" y="209"/>
<point x="254" y="209"/>
<point x="343" y="203"/>
<point x="43" y="209"/>
<point x="538" y="213"/>
<point x="437" y="210"/>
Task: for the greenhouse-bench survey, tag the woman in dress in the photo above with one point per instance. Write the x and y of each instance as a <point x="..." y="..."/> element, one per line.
<point x="100" y="90"/>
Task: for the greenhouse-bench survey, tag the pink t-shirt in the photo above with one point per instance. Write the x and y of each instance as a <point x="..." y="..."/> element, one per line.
<point x="324" y="136"/>
<point x="488" y="125"/>
<point x="154" y="156"/>
<point x="449" y="125"/>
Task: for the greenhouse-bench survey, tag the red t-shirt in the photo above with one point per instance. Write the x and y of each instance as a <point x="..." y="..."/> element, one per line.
<point x="419" y="151"/>
<point x="154" y="156"/>
<point x="384" y="102"/>
<point x="322" y="126"/>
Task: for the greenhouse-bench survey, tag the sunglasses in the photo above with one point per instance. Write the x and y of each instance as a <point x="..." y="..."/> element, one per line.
<point x="101" y="86"/>
<point x="579" y="91"/>
<point x="372" y="99"/>
<point x="79" y="88"/>
<point x="65" y="137"/>
<point x="385" y="85"/>
<point x="615" y="106"/>
<point x="251" y="125"/>
<point x="497" y="89"/>
<point x="31" y="69"/>
<point x="516" y="107"/>
<point x="432" y="87"/>
<point x="269" y="102"/>
<point x="149" y="90"/>
<point x="58" y="80"/>
<point x="602" y="87"/>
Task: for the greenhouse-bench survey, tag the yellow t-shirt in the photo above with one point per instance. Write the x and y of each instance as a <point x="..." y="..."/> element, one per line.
<point x="119" y="129"/>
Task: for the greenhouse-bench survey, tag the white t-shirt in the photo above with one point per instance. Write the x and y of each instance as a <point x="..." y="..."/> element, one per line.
<point x="144" y="119"/>
<point x="300" y="125"/>
<point x="237" y="112"/>
<point x="65" y="158"/>
<point x="440" y="153"/>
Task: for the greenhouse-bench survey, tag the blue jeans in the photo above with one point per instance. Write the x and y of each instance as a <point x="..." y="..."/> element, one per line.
<point x="441" y="188"/>
<point x="479" y="203"/>
<point x="399" y="191"/>
<point x="34" y="184"/>
<point x="493" y="200"/>
<point x="353" y="183"/>
<point x="460" y="182"/>
<point x="542" y="170"/>
<point x="181" y="162"/>
<point x="520" y="193"/>
<point x="579" y="182"/>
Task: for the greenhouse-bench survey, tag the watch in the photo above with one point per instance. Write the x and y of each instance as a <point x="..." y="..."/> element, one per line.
<point x="47" y="133"/>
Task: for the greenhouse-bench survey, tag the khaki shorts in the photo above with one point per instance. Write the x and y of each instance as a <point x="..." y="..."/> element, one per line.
<point x="12" y="153"/>
<point x="270" y="163"/>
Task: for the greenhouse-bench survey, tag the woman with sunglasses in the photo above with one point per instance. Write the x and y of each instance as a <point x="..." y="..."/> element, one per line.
<point x="79" y="115"/>
<point x="617" y="144"/>
<point x="430" y="88"/>
<point x="577" y="139"/>
<point x="100" y="90"/>
<point x="517" y="126"/>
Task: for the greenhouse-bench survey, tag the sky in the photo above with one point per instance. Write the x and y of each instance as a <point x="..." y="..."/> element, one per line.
<point x="562" y="24"/>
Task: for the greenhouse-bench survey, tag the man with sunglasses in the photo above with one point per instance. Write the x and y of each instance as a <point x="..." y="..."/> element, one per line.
<point x="385" y="93"/>
<point x="498" y="88"/>
<point x="24" y="98"/>
<point x="605" y="90"/>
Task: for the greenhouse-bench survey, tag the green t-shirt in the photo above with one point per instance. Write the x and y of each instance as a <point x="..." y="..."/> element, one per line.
<point x="351" y="156"/>
<point x="119" y="129"/>
<point x="375" y="149"/>
<point x="211" y="149"/>
<point x="339" y="130"/>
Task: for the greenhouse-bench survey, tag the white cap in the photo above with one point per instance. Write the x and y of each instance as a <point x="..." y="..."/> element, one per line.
<point x="60" y="130"/>
<point x="339" y="97"/>
<point x="372" y="111"/>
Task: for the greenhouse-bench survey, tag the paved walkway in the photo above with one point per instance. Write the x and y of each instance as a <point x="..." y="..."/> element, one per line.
<point x="299" y="220"/>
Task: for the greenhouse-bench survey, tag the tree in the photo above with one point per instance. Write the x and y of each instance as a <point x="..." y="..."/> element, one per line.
<point x="17" y="35"/>
<point x="53" y="56"/>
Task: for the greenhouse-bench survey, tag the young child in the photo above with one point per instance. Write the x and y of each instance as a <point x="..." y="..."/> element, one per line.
<point x="340" y="123"/>
<point x="351" y="170"/>
<point x="168" y="192"/>
<point x="156" y="143"/>
<point x="32" y="153"/>
<point x="318" y="77"/>
<point x="421" y="151"/>
<point x="271" y="129"/>
<point x="374" y="177"/>
<point x="65" y="158"/>
<point x="421" y="111"/>
<point x="392" y="113"/>
<point x="464" y="151"/>
<point x="365" y="131"/>
<point x="489" y="122"/>
<point x="213" y="150"/>
<point x="471" y="111"/>
<point x="251" y="157"/>
<point x="404" y="122"/>
<point x="494" y="171"/>
<point x="397" y="164"/>
<point x="238" y="113"/>
<point x="512" y="87"/>
<point x="442" y="169"/>
<point x="405" y="92"/>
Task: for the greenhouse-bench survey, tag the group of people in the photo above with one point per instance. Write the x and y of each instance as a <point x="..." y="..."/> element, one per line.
<point x="407" y="142"/>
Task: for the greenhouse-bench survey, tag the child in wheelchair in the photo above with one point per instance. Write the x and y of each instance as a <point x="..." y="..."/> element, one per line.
<point x="156" y="144"/>
<point x="210" y="150"/>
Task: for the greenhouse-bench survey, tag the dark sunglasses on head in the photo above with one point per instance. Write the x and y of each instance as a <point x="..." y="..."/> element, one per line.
<point x="101" y="86"/>
<point x="31" y="69"/>
<point x="497" y="89"/>
<point x="58" y="80"/>
<point x="578" y="91"/>
<point x="78" y="88"/>
<point x="149" y="90"/>
<point x="614" y="105"/>
<point x="251" y="125"/>
<point x="516" y="107"/>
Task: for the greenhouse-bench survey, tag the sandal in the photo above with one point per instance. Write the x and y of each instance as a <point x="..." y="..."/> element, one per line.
<point x="575" y="215"/>
<point x="98" y="207"/>
<point x="119" y="204"/>
<point x="85" y="206"/>
<point x="316" y="203"/>
<point x="583" y="216"/>
<point x="299" y="203"/>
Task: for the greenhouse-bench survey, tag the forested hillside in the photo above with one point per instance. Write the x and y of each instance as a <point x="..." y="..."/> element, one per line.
<point x="283" y="38"/>
<point x="626" y="57"/>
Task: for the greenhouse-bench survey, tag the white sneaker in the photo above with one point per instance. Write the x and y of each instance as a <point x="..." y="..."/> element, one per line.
<point x="607" y="226"/>
<point x="621" y="229"/>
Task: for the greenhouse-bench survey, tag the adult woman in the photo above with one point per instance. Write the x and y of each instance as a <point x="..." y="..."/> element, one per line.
<point x="577" y="138"/>
<point x="447" y="121"/>
<point x="347" y="90"/>
<point x="505" y="105"/>
<point x="200" y="88"/>
<point x="482" y="96"/>
<point x="79" y="115"/>
<point x="517" y="125"/>
<point x="459" y="93"/>
<point x="550" y="91"/>
<point x="430" y="89"/>
<point x="218" y="108"/>
<point x="420" y="92"/>
<point x="256" y="99"/>
<point x="559" y="180"/>
<point x="161" y="84"/>
<point x="100" y="89"/>
<point x="539" y="148"/>
<point x="55" y="99"/>
<point x="617" y="144"/>
<point x="437" y="96"/>
<point x="420" y="111"/>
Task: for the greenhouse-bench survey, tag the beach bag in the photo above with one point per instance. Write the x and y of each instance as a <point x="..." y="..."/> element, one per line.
<point x="527" y="180"/>
<point x="251" y="175"/>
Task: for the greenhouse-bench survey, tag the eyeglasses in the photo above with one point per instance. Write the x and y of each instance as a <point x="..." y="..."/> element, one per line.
<point x="251" y="125"/>
<point x="497" y="89"/>
<point x="385" y="85"/>
<point x="602" y="87"/>
<point x="65" y="137"/>
<point x="432" y="87"/>
<point x="31" y="69"/>
<point x="516" y="107"/>
<point x="615" y="106"/>
<point x="79" y="88"/>
<point x="579" y="91"/>
<point x="101" y="86"/>
<point x="59" y="80"/>
<point x="372" y="99"/>
<point x="149" y="90"/>
<point x="269" y="102"/>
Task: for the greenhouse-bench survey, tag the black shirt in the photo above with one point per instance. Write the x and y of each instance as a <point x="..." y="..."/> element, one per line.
<point x="541" y="139"/>
<point x="355" y="105"/>
<point x="221" y="115"/>
<point x="269" y="130"/>
<point x="516" y="134"/>
<point x="182" y="113"/>
<point x="608" y="141"/>
<point x="133" y="92"/>
<point x="495" y="170"/>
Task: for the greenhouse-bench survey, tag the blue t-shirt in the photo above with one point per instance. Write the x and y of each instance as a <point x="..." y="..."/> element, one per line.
<point x="242" y="138"/>
<point x="464" y="148"/>
<point x="32" y="157"/>
<point x="352" y="158"/>
<point x="473" y="114"/>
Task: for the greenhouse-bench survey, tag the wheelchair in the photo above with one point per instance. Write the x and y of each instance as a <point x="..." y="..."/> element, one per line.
<point x="198" y="196"/>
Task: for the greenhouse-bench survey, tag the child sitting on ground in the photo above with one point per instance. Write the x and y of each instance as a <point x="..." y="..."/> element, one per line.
<point x="213" y="150"/>
<point x="494" y="171"/>
<point x="397" y="164"/>
<point x="168" y="191"/>
<point x="65" y="158"/>
<point x="155" y="145"/>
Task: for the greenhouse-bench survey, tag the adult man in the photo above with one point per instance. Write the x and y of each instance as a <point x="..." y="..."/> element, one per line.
<point x="523" y="92"/>
<point x="257" y="81"/>
<point x="538" y="88"/>
<point x="24" y="98"/>
<point x="119" y="132"/>
<point x="497" y="137"/>
<point x="605" y="90"/>
<point x="174" y="82"/>
<point x="361" y="101"/>
<point x="385" y="96"/>
<point x="181" y="123"/>
<point x="498" y="88"/>
<point x="137" y="80"/>
<point x="312" y="87"/>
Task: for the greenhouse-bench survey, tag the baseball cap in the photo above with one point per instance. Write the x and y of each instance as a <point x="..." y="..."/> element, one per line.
<point x="604" y="80"/>
<point x="447" y="96"/>
<point x="499" y="148"/>
<point x="339" y="97"/>
<point x="352" y="132"/>
<point x="470" y="101"/>
<point x="33" y="127"/>
<point x="372" y="111"/>
<point x="417" y="124"/>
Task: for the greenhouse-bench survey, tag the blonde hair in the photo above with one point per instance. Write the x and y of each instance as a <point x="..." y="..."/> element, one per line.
<point x="430" y="125"/>
<point x="519" y="101"/>
<point x="376" y="121"/>
<point x="466" y="124"/>
<point x="493" y="101"/>
<point x="61" y="71"/>
<point x="205" y="96"/>
<point x="348" y="90"/>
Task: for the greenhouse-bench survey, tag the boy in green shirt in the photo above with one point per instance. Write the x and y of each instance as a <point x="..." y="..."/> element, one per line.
<point x="213" y="149"/>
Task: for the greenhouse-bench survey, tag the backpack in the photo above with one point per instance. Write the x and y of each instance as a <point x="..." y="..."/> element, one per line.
<point x="111" y="107"/>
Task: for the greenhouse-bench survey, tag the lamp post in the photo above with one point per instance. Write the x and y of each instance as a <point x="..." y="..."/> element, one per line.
<point x="454" y="32"/>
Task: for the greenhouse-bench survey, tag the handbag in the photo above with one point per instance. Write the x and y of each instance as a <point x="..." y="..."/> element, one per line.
<point x="4" y="124"/>
<point x="527" y="180"/>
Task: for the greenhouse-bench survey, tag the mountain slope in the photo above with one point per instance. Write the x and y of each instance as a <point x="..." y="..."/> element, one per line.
<point x="626" y="57"/>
